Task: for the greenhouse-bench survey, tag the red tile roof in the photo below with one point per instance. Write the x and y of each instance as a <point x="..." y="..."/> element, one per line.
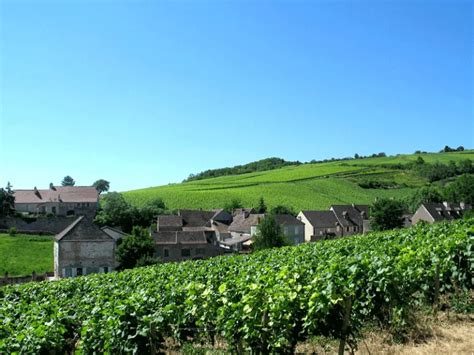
<point x="70" y="194"/>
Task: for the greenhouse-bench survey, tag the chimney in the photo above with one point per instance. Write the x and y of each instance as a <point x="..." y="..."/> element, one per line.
<point x="36" y="192"/>
<point x="462" y="205"/>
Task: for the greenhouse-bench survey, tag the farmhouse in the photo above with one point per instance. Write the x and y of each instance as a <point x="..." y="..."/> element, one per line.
<point x="319" y="225"/>
<point x="435" y="212"/>
<point x="339" y="221"/>
<point x="185" y="245"/>
<point x="83" y="248"/>
<point x="58" y="200"/>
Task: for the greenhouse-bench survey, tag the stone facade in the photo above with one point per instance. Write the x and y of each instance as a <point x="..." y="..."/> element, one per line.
<point x="58" y="200"/>
<point x="83" y="248"/>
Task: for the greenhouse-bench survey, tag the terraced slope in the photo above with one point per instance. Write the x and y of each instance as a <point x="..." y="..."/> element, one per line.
<point x="309" y="186"/>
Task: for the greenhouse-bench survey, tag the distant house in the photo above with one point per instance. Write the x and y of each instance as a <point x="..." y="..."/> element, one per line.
<point x="58" y="200"/>
<point x="319" y="225"/>
<point x="339" y="221"/>
<point x="242" y="229"/>
<point x="83" y="248"/>
<point x="185" y="245"/>
<point x="293" y="228"/>
<point x="436" y="212"/>
<point x="353" y="219"/>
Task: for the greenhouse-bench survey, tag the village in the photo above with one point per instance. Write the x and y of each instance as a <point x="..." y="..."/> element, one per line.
<point x="82" y="247"/>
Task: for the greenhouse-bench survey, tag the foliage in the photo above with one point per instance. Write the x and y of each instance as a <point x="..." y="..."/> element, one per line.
<point x="461" y="190"/>
<point x="303" y="187"/>
<point x="68" y="181"/>
<point x="101" y="185"/>
<point x="261" y="208"/>
<point x="268" y="235"/>
<point x="424" y="194"/>
<point x="136" y="249"/>
<point x="116" y="211"/>
<point x="31" y="253"/>
<point x="268" y="300"/>
<point x="386" y="214"/>
<point x="12" y="231"/>
<point x="280" y="209"/>
<point x="233" y="205"/>
<point x="7" y="201"/>
<point x="260" y="165"/>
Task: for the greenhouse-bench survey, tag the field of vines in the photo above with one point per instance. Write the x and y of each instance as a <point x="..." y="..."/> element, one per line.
<point x="267" y="301"/>
<point x="308" y="186"/>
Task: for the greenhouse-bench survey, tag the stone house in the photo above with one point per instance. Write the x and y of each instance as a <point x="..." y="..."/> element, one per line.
<point x="84" y="248"/>
<point x="185" y="245"/>
<point x="340" y="220"/>
<point x="436" y="212"/>
<point x="319" y="225"/>
<point x="58" y="200"/>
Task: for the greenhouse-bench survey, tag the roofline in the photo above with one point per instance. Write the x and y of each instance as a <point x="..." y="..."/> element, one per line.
<point x="66" y="230"/>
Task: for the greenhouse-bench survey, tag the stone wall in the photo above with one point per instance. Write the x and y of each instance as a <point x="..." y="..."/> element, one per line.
<point x="39" y="225"/>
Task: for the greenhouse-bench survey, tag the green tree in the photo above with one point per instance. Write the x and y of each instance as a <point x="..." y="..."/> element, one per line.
<point x="386" y="214"/>
<point x="101" y="185"/>
<point x="261" y="208"/>
<point x="269" y="235"/>
<point x="419" y="161"/>
<point x="280" y="209"/>
<point x="424" y="194"/>
<point x="136" y="249"/>
<point x="461" y="190"/>
<point x="7" y="201"/>
<point x="232" y="205"/>
<point x="68" y="181"/>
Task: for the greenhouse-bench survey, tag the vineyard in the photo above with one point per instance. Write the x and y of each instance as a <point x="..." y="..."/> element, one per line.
<point x="308" y="186"/>
<point x="267" y="301"/>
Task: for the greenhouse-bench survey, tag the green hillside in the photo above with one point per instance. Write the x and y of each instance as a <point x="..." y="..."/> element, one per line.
<point x="308" y="186"/>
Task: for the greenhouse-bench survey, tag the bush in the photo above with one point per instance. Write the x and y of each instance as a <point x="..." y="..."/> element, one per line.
<point x="12" y="231"/>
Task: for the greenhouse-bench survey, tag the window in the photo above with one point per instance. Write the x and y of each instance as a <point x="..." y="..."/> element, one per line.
<point x="185" y="252"/>
<point x="87" y="204"/>
<point x="166" y="253"/>
<point x="53" y="209"/>
<point x="79" y="271"/>
<point x="348" y="229"/>
<point x="78" y="204"/>
<point x="106" y="269"/>
<point x="285" y="230"/>
<point x="200" y="251"/>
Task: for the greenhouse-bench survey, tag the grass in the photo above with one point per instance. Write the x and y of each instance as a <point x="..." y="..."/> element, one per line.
<point x="308" y="186"/>
<point x="22" y="254"/>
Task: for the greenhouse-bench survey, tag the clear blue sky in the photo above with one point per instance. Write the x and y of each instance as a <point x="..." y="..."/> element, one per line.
<point x="143" y="93"/>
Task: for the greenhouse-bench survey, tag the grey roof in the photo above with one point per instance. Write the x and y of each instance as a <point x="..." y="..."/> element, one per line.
<point x="236" y="240"/>
<point x="83" y="229"/>
<point x="114" y="232"/>
<point x="180" y="237"/>
<point x="170" y="221"/>
<point x="350" y="215"/>
<point x="68" y="194"/>
<point x="243" y="222"/>
<point x="287" y="219"/>
<point x="196" y="218"/>
<point x="321" y="219"/>
<point x="441" y="211"/>
<point x="238" y="211"/>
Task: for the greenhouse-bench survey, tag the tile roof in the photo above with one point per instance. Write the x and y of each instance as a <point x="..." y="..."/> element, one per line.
<point x="243" y="222"/>
<point x="180" y="237"/>
<point x="287" y="219"/>
<point x="350" y="215"/>
<point x="170" y="221"/>
<point x="196" y="218"/>
<point x="321" y="219"/>
<point x="83" y="229"/>
<point x="71" y="194"/>
<point x="442" y="211"/>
